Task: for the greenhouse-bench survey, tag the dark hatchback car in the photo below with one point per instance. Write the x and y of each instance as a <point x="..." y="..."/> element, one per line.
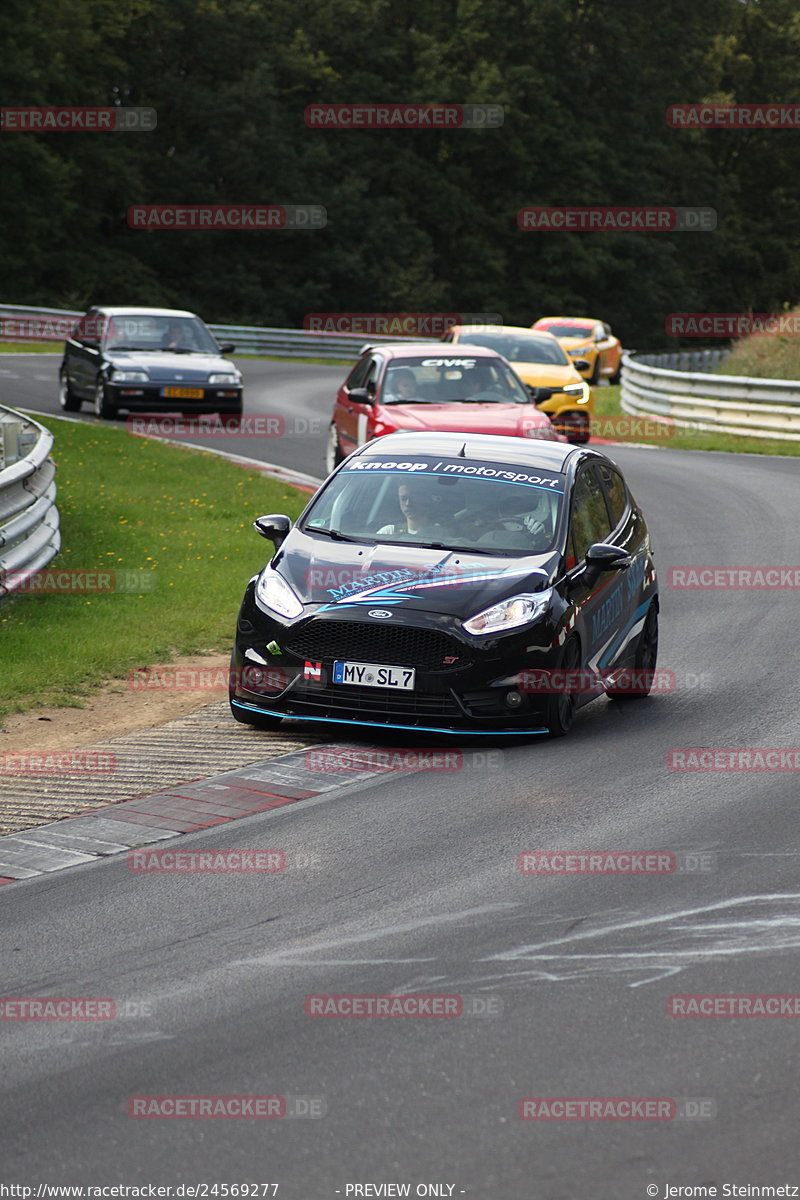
<point x="147" y="360"/>
<point x="451" y="583"/>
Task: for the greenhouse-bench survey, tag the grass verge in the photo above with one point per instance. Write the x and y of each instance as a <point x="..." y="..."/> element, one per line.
<point x="611" y="422"/>
<point x="179" y="521"/>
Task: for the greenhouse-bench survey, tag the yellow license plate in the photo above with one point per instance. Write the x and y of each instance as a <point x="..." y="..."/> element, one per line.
<point x="183" y="393"/>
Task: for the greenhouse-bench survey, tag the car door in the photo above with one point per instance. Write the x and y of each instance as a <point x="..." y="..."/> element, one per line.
<point x="604" y="344"/>
<point x="344" y="415"/>
<point x="82" y="354"/>
<point x="600" y="606"/>
<point x="627" y="532"/>
<point x="355" y="420"/>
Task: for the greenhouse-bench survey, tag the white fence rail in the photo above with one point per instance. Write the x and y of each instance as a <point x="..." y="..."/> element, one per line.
<point x="739" y="404"/>
<point x="24" y="323"/>
<point x="29" y="533"/>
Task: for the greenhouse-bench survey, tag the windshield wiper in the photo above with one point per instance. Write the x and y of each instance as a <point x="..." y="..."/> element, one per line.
<point x="331" y="533"/>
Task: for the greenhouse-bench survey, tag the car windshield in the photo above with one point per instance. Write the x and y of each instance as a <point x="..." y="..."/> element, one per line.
<point x="576" y="331"/>
<point x="449" y="377"/>
<point x="519" y="347"/>
<point x="451" y="503"/>
<point x="141" y="331"/>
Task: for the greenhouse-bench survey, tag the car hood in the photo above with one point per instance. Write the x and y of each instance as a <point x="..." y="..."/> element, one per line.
<point x="547" y="374"/>
<point x="509" y="419"/>
<point x="353" y="578"/>
<point x="574" y="343"/>
<point x="160" y="364"/>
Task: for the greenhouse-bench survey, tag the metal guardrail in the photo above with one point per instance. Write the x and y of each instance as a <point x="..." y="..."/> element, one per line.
<point x="56" y="324"/>
<point x="29" y="533"/>
<point x="739" y="404"/>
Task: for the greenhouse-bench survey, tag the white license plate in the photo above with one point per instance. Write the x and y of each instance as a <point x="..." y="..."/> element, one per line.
<point x="374" y="675"/>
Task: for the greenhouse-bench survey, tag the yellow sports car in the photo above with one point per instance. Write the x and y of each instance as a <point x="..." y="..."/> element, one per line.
<point x="552" y="379"/>
<point x="589" y="339"/>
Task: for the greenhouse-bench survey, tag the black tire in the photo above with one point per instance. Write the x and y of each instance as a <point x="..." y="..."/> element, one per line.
<point x="616" y="377"/>
<point x="333" y="453"/>
<point x="66" y="397"/>
<point x="561" y="704"/>
<point x="594" y="378"/>
<point x="103" y="408"/>
<point x="574" y="426"/>
<point x="645" y="660"/>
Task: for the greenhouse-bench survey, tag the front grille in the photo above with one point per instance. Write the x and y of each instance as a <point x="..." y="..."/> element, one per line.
<point x="370" y="702"/>
<point x="395" y="645"/>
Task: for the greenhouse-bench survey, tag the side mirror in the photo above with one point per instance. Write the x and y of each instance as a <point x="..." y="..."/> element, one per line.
<point x="361" y="396"/>
<point x="581" y="364"/>
<point x="602" y="557"/>
<point x="274" y="527"/>
<point x="228" y="348"/>
<point x="538" y="394"/>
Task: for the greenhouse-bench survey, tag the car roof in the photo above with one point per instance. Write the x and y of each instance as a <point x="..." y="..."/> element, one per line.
<point x="541" y="333"/>
<point x="130" y="311"/>
<point x="429" y="350"/>
<point x="571" y="320"/>
<point x="549" y="456"/>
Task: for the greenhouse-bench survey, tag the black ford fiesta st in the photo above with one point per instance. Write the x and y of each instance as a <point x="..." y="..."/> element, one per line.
<point x="451" y="583"/>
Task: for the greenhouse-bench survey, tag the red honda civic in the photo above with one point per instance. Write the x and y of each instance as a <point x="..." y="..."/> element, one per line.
<point x="418" y="388"/>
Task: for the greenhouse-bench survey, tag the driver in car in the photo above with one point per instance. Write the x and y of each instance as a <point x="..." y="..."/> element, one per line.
<point x="175" y="337"/>
<point x="415" y="506"/>
<point x="400" y="384"/>
<point x="525" y="527"/>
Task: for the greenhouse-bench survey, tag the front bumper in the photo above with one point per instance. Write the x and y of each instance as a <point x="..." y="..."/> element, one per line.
<point x="149" y="398"/>
<point x="478" y="693"/>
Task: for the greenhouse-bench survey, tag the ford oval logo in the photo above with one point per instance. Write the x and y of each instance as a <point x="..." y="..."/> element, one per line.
<point x="379" y="612"/>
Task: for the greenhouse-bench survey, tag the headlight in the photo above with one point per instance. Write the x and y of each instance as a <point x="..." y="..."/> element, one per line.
<point x="580" y="391"/>
<point x="130" y="377"/>
<point x="272" y="591"/>
<point x="224" y="377"/>
<point x="519" y="610"/>
<point x="578" y="351"/>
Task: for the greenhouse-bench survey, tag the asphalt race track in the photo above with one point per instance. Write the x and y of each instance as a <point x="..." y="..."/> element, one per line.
<point x="417" y="890"/>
